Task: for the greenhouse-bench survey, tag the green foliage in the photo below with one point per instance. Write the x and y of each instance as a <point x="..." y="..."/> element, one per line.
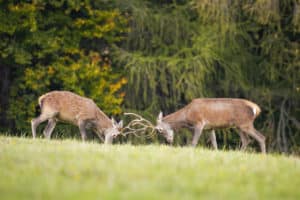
<point x="60" y="45"/>
<point x="190" y="49"/>
<point x="86" y="76"/>
<point x="160" y="61"/>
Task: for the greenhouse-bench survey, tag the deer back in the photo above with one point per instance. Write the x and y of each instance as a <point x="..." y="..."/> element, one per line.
<point x="222" y="112"/>
<point x="71" y="107"/>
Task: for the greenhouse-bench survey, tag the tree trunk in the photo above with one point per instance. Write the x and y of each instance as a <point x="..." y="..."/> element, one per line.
<point x="4" y="93"/>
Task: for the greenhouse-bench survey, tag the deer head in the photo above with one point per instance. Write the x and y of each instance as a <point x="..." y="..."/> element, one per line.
<point x="116" y="128"/>
<point x="164" y="128"/>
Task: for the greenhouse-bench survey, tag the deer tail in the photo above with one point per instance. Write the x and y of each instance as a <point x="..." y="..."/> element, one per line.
<point x="255" y="108"/>
<point x="41" y="99"/>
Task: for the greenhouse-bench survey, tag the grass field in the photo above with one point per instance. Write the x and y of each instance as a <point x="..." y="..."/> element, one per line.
<point x="70" y="169"/>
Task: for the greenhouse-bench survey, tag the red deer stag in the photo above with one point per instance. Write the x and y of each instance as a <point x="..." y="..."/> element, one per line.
<point x="211" y="113"/>
<point x="81" y="111"/>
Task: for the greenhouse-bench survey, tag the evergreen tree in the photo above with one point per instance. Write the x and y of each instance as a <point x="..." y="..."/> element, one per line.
<point x="180" y="50"/>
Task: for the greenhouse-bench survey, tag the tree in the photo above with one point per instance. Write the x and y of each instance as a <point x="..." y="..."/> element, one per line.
<point x="59" y="45"/>
<point x="180" y="50"/>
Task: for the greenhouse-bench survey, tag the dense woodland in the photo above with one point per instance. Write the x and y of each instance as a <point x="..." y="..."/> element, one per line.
<point x="147" y="56"/>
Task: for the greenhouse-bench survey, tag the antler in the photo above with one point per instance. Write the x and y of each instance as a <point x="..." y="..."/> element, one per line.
<point x="139" y="124"/>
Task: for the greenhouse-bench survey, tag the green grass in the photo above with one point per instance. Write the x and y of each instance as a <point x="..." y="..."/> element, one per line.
<point x="69" y="169"/>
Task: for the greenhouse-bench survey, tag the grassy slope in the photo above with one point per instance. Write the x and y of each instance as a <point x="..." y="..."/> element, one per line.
<point x="41" y="169"/>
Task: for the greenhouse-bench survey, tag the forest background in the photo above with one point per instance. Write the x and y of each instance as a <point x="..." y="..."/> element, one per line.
<point x="152" y="55"/>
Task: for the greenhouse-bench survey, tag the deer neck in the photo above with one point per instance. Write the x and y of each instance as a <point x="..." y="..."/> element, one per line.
<point x="176" y="119"/>
<point x="103" y="121"/>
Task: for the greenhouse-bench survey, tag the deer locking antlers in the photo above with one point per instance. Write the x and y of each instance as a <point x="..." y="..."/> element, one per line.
<point x="138" y="125"/>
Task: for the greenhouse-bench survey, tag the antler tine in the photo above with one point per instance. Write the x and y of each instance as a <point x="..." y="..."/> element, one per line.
<point x="140" y="117"/>
<point x="139" y="120"/>
<point x="151" y="134"/>
<point x="143" y="124"/>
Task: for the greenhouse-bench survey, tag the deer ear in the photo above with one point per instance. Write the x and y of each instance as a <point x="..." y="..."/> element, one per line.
<point x="120" y="124"/>
<point x="113" y="121"/>
<point x="160" y="116"/>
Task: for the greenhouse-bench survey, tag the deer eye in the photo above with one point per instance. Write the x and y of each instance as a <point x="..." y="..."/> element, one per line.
<point x="159" y="129"/>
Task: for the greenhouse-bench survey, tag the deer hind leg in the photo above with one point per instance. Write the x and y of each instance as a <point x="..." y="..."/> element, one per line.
<point x="40" y="119"/>
<point x="197" y="133"/>
<point x="263" y="141"/>
<point x="49" y="128"/>
<point x="244" y="139"/>
<point x="213" y="140"/>
<point x="260" y="138"/>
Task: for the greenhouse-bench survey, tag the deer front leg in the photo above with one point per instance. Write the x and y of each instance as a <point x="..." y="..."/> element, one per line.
<point x="108" y="138"/>
<point x="213" y="140"/>
<point x="82" y="130"/>
<point x="197" y="134"/>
